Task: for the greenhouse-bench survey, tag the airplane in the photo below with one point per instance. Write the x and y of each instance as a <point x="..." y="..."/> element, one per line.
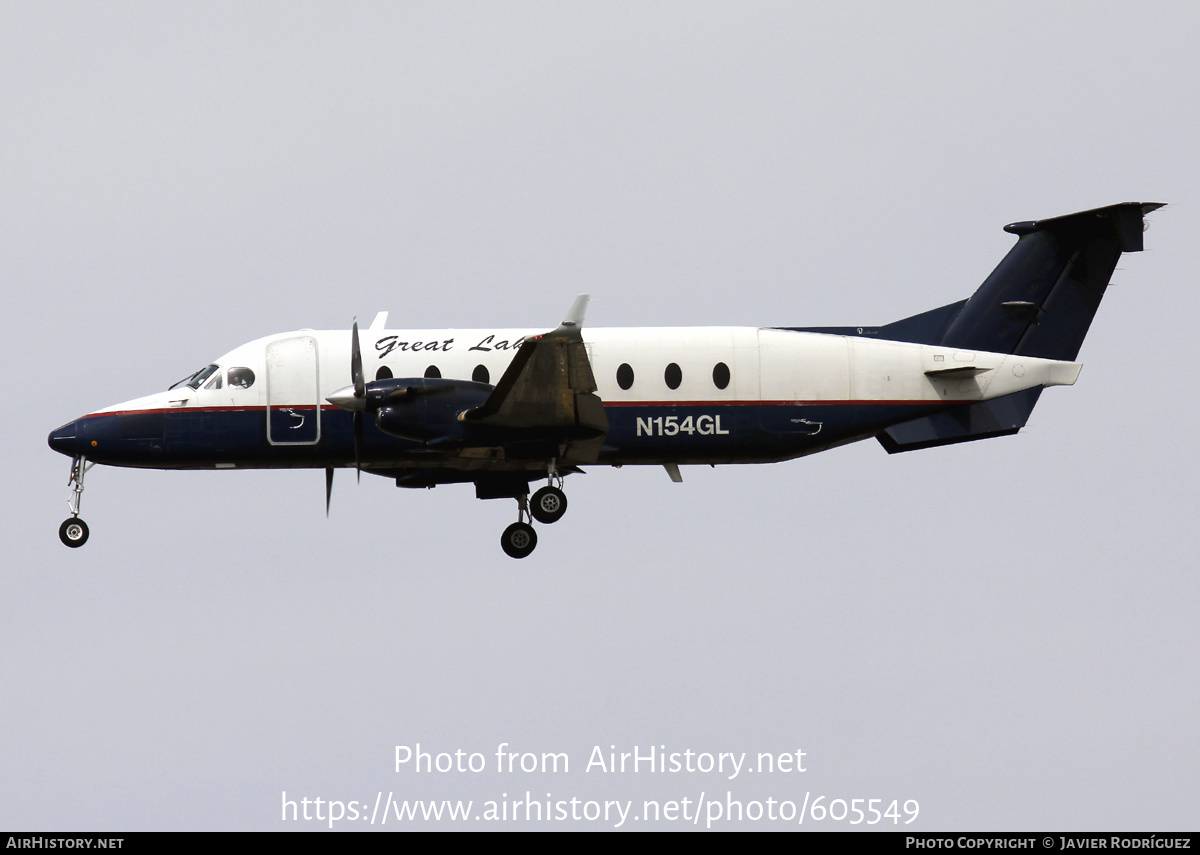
<point x="420" y="407"/>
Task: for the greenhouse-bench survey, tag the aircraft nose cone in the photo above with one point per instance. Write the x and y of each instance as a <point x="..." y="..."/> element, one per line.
<point x="65" y="440"/>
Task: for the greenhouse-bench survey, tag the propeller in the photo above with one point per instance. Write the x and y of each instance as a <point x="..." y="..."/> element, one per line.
<point x="354" y="399"/>
<point x="360" y="396"/>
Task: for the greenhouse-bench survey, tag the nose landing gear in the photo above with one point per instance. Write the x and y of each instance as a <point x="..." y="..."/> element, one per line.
<point x="74" y="532"/>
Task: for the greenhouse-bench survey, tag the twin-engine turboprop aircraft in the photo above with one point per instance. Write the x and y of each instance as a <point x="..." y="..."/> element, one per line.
<point x="421" y="407"/>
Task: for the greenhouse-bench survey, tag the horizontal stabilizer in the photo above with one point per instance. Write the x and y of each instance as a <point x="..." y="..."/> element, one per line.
<point x="997" y="417"/>
<point x="963" y="372"/>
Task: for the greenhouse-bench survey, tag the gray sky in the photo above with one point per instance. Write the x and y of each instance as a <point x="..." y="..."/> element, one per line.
<point x="1004" y="631"/>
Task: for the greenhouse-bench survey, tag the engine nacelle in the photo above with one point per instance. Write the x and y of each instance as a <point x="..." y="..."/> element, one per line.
<point x="425" y="409"/>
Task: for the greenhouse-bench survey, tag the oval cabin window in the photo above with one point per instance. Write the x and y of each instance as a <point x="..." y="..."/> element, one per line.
<point x="432" y="372"/>
<point x="673" y="375"/>
<point x="480" y="374"/>
<point x="384" y="373"/>
<point x="625" y="376"/>
<point x="720" y="375"/>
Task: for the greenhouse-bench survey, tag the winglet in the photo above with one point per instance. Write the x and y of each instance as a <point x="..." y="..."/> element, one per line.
<point x="574" y="319"/>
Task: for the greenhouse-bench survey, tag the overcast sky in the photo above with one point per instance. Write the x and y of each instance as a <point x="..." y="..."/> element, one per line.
<point x="1003" y="631"/>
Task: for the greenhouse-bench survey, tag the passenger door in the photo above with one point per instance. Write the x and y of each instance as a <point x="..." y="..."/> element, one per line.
<point x="293" y="392"/>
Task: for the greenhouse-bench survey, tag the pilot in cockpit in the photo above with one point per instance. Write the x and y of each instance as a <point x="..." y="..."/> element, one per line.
<point x="240" y="378"/>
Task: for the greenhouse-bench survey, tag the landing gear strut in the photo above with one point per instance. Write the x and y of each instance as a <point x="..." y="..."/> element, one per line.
<point x="519" y="539"/>
<point x="548" y="506"/>
<point x="74" y="531"/>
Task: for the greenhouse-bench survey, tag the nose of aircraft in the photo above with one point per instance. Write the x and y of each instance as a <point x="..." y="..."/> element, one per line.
<point x="66" y="439"/>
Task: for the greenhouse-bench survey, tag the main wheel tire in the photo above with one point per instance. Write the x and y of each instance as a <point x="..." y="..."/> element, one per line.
<point x="518" y="540"/>
<point x="548" y="505"/>
<point x="73" y="532"/>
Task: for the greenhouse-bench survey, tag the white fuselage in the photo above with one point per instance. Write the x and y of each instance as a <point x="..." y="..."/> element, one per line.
<point x="764" y="366"/>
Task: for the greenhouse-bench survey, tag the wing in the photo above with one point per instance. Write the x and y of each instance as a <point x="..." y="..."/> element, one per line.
<point x="546" y="401"/>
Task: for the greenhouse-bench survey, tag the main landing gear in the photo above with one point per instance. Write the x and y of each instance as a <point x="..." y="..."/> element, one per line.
<point x="74" y="531"/>
<point x="548" y="506"/>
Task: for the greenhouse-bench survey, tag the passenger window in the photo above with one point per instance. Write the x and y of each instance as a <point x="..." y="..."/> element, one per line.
<point x="432" y="372"/>
<point x="240" y="378"/>
<point x="673" y="375"/>
<point x="480" y="374"/>
<point x="384" y="373"/>
<point x="625" y="376"/>
<point x="720" y="375"/>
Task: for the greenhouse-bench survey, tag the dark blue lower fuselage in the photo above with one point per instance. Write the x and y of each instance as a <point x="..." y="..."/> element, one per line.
<point x="744" y="432"/>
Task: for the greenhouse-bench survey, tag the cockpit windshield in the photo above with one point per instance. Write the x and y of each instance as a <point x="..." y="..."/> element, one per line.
<point x="194" y="380"/>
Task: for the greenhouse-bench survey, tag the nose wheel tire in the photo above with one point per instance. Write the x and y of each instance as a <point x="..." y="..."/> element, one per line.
<point x="548" y="505"/>
<point x="518" y="540"/>
<point x="73" y="532"/>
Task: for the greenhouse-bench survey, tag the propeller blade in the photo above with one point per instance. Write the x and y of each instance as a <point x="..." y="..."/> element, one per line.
<point x="360" y="393"/>
<point x="356" y="372"/>
<point x="328" y="488"/>
<point x="358" y="438"/>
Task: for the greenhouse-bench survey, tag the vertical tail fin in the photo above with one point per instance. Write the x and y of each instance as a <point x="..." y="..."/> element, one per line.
<point x="1038" y="302"/>
<point x="1041" y="298"/>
